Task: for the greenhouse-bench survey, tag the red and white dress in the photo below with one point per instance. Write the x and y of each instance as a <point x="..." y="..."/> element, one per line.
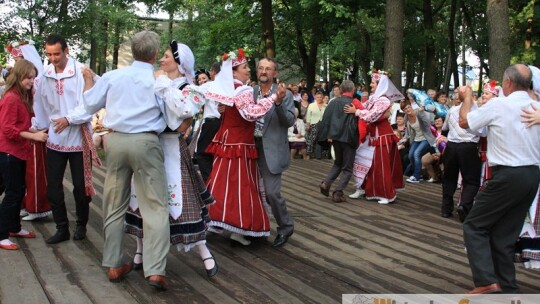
<point x="35" y="201"/>
<point x="386" y="173"/>
<point x="234" y="180"/>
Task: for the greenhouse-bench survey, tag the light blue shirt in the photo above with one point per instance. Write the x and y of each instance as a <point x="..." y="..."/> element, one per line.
<point x="128" y="96"/>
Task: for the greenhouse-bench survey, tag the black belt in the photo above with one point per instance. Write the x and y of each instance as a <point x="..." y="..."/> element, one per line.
<point x="258" y="139"/>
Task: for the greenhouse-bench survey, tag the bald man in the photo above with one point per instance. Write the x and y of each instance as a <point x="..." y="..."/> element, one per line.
<point x="495" y="220"/>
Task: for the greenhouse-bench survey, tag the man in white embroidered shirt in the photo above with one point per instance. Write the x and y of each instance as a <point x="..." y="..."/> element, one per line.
<point x="133" y="150"/>
<point x="495" y="220"/>
<point x="59" y="93"/>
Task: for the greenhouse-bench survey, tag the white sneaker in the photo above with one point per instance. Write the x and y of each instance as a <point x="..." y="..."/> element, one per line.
<point x="357" y="194"/>
<point x="432" y="180"/>
<point x="413" y="180"/>
<point x="383" y="201"/>
<point x="23" y="212"/>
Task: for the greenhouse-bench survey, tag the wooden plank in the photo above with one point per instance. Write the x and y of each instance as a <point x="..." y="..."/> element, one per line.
<point x="357" y="246"/>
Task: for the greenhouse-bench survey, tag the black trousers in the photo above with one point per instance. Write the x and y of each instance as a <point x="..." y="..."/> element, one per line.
<point x="494" y="223"/>
<point x="464" y="158"/>
<point x="205" y="160"/>
<point x="13" y="171"/>
<point x="56" y="167"/>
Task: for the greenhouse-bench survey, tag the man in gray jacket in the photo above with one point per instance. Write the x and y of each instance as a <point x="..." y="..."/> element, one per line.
<point x="273" y="146"/>
<point x="340" y="129"/>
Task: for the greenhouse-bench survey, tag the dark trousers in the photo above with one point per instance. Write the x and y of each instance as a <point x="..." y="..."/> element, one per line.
<point x="344" y="154"/>
<point x="494" y="223"/>
<point x="56" y="167"/>
<point x="13" y="171"/>
<point x="205" y="160"/>
<point x="272" y="188"/>
<point x="460" y="157"/>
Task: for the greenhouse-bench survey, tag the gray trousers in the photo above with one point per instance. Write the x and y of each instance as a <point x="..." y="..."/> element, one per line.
<point x="139" y="156"/>
<point x="343" y="163"/>
<point x="272" y="187"/>
<point x="494" y="223"/>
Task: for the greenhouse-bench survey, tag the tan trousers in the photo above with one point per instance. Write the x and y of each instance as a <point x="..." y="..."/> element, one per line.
<point x="141" y="156"/>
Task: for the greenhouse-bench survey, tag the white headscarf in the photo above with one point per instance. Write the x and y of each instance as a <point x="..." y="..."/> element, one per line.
<point x="535" y="80"/>
<point x="184" y="59"/>
<point x="30" y="53"/>
<point x="385" y="87"/>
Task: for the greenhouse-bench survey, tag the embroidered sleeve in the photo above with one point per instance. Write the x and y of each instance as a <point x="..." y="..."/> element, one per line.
<point x="184" y="104"/>
<point x="375" y="112"/>
<point x="250" y="110"/>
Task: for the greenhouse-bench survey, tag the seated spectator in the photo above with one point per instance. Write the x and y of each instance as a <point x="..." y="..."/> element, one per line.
<point x="420" y="138"/>
<point x="431" y="161"/>
<point x="297" y="139"/>
<point x="100" y="131"/>
<point x="400" y="129"/>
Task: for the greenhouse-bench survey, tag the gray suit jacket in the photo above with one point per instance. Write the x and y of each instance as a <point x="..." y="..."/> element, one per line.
<point x="276" y="124"/>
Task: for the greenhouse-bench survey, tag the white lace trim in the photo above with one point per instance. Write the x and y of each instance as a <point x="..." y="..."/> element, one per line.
<point x="230" y="228"/>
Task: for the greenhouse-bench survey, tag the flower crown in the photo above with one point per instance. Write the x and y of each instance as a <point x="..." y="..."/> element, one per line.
<point x="15" y="44"/>
<point x="376" y="74"/>
<point x="238" y="57"/>
<point x="492" y="86"/>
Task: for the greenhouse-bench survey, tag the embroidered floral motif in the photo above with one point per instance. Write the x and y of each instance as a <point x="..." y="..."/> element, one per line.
<point x="60" y="86"/>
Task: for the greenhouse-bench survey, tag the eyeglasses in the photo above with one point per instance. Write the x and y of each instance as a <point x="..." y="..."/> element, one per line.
<point x="263" y="69"/>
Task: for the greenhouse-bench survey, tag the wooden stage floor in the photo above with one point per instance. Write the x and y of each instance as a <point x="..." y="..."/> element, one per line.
<point x="352" y="247"/>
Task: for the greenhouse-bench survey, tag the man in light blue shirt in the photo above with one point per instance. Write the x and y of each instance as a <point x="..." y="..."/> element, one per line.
<point x="134" y="115"/>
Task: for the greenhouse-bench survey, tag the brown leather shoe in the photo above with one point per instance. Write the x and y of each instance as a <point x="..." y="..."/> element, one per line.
<point x="325" y="189"/>
<point x="117" y="274"/>
<point x="158" y="282"/>
<point x="338" y="197"/>
<point x="491" y="288"/>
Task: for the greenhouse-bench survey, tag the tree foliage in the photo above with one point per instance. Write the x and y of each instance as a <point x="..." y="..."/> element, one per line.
<point x="312" y="39"/>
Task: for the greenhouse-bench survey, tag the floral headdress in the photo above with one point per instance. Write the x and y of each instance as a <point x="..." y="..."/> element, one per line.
<point x="238" y="57"/>
<point x="492" y="87"/>
<point x="14" y="47"/>
<point x="376" y="74"/>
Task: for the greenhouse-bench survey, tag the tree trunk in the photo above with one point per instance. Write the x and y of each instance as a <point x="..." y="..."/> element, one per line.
<point x="268" y="29"/>
<point x="452" y="59"/>
<point x="429" y="65"/>
<point x="116" y="44"/>
<point x="498" y="33"/>
<point x="93" y="34"/>
<point x="393" y="39"/>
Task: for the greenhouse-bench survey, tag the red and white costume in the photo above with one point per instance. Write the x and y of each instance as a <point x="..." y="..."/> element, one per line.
<point x="385" y="174"/>
<point x="234" y="180"/>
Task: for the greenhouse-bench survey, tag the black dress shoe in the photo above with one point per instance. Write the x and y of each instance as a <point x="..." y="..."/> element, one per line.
<point x="211" y="272"/>
<point x="80" y="233"/>
<point x="325" y="189"/>
<point x="59" y="236"/>
<point x="462" y="213"/>
<point x="281" y="239"/>
<point x="446" y="214"/>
